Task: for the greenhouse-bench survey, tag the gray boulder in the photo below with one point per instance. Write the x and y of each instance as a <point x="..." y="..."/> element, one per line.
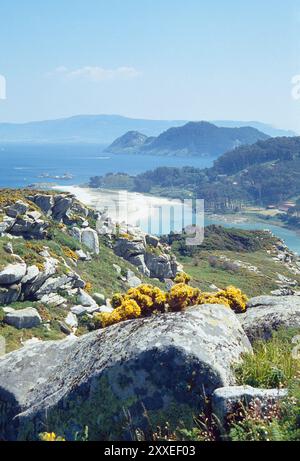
<point x="139" y="262"/>
<point x="99" y="298"/>
<point x="29" y="228"/>
<point x="161" y="266"/>
<point x="129" y="248"/>
<point x="31" y="274"/>
<point x="85" y="299"/>
<point x="82" y="256"/>
<point x="71" y="320"/>
<point x="266" y="314"/>
<point x="9" y="294"/>
<point x="44" y="201"/>
<point x="106" y="309"/>
<point x="79" y="310"/>
<point x="90" y="239"/>
<point x="132" y="280"/>
<point x="23" y="318"/>
<point x="18" y="208"/>
<point x="61" y="206"/>
<point x="226" y="399"/>
<point x="6" y="224"/>
<point x="152" y="240"/>
<point x="164" y="363"/>
<point x="12" y="273"/>
<point x="52" y="284"/>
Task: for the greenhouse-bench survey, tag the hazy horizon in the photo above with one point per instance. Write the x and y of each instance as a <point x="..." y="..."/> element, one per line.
<point x="263" y="122"/>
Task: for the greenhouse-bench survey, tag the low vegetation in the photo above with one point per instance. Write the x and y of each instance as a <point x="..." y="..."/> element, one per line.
<point x="147" y="300"/>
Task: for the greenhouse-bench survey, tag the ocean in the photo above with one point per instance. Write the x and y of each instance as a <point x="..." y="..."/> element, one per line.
<point x="22" y="165"/>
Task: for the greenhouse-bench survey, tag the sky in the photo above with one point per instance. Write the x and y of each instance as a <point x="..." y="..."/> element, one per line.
<point x="155" y="59"/>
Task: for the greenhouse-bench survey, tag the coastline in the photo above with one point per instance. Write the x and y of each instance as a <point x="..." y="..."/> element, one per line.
<point x="141" y="210"/>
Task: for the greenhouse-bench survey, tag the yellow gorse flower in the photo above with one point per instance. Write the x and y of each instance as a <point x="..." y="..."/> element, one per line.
<point x="146" y="300"/>
<point x="51" y="437"/>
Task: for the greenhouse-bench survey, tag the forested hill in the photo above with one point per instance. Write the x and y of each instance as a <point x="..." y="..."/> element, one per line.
<point x="273" y="149"/>
<point x="265" y="173"/>
<point x="194" y="138"/>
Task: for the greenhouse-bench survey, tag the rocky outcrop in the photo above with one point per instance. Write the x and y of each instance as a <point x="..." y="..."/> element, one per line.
<point x="164" y="363"/>
<point x="266" y="314"/>
<point x="151" y="257"/>
<point x="19" y="282"/>
<point x="226" y="400"/>
<point x="60" y="207"/>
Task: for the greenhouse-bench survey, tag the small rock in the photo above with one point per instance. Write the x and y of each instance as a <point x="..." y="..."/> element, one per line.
<point x="85" y="299"/>
<point x="78" y="310"/>
<point x="106" y="309"/>
<point x="225" y="399"/>
<point x="71" y="320"/>
<point x="132" y="280"/>
<point x="8" y="248"/>
<point x="118" y="269"/>
<point x="24" y="318"/>
<point x="99" y="298"/>
<point x="64" y="328"/>
<point x="169" y="284"/>
<point x="81" y="255"/>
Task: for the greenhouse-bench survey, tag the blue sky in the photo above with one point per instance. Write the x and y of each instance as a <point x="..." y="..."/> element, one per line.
<point x="164" y="59"/>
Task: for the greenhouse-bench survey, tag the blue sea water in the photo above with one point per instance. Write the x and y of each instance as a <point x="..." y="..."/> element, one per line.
<point x="22" y="165"/>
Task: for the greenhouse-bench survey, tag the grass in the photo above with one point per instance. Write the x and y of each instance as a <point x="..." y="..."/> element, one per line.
<point x="252" y="283"/>
<point x="272" y="365"/>
<point x="50" y="314"/>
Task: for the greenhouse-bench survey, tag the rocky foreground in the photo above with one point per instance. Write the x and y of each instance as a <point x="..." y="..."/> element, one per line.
<point x="167" y="364"/>
<point x="121" y="378"/>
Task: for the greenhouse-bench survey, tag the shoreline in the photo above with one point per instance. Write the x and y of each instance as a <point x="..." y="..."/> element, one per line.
<point x="142" y="208"/>
<point x="85" y="194"/>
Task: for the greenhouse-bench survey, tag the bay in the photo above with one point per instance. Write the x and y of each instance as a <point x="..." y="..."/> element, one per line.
<point x="24" y="164"/>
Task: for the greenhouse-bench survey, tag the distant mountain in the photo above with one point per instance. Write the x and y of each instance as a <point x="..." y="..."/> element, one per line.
<point x="194" y="138"/>
<point x="101" y="129"/>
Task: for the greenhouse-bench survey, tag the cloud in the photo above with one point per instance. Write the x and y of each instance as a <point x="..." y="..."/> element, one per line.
<point x="96" y="74"/>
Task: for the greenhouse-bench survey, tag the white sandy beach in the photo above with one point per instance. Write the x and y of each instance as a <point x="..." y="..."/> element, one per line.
<point x="156" y="215"/>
